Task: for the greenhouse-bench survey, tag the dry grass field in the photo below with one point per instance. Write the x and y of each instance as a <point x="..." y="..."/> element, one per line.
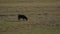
<point x="43" y="16"/>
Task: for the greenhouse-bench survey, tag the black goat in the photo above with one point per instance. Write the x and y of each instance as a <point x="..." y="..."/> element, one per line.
<point x="22" y="17"/>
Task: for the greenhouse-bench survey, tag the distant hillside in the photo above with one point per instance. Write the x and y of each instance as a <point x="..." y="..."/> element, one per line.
<point x="30" y="3"/>
<point x="9" y="1"/>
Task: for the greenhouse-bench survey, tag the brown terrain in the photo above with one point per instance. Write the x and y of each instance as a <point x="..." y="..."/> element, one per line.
<point x="41" y="15"/>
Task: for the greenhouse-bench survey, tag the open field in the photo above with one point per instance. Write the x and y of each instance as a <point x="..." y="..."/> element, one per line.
<point x="43" y="17"/>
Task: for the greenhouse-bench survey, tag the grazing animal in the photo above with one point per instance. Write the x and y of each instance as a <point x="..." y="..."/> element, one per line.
<point x="22" y="17"/>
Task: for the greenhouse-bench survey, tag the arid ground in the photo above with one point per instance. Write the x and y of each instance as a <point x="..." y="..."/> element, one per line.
<point x="43" y="16"/>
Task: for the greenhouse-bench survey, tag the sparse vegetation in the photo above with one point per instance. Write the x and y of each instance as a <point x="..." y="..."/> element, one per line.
<point x="43" y="17"/>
